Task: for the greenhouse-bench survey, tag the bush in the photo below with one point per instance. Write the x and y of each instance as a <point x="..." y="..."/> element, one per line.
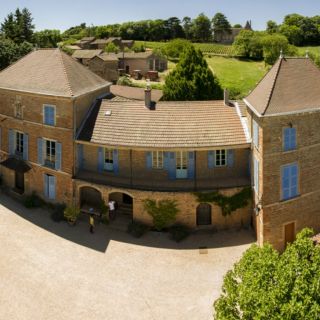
<point x="137" y="229"/>
<point x="57" y="214"/>
<point x="179" y="232"/>
<point x="71" y="214"/>
<point x="124" y="81"/>
<point x="33" y="201"/>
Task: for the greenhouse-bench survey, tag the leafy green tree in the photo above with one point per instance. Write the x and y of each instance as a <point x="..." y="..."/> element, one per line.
<point x="220" y="23"/>
<point x="248" y="44"/>
<point x="111" y="48"/>
<point x="174" y="48"/>
<point x="237" y="25"/>
<point x="293" y="34"/>
<point x="201" y="28"/>
<point x="187" y="25"/>
<point x="272" y="27"/>
<point x="266" y="285"/>
<point x="47" y="38"/>
<point x="192" y="79"/>
<point x="174" y="28"/>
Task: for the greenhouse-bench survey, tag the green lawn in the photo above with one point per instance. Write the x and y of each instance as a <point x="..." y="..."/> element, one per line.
<point x="237" y="75"/>
<point x="314" y="50"/>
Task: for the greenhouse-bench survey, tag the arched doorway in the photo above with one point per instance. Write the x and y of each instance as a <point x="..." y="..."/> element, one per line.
<point x="90" y="197"/>
<point x="124" y="203"/>
<point x="204" y="214"/>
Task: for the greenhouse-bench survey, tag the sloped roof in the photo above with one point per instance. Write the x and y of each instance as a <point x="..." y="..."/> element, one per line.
<point x="292" y="85"/>
<point x="50" y="72"/>
<point x="86" y="54"/>
<point x="134" y="93"/>
<point x="172" y="125"/>
<point x="108" y="56"/>
<point x="135" y="55"/>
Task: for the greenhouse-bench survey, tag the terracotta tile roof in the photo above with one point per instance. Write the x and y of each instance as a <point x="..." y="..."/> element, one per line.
<point x="171" y="125"/>
<point x="50" y="72"/>
<point x="134" y="93"/>
<point x="292" y="85"/>
<point x="86" y="54"/>
<point x="135" y="55"/>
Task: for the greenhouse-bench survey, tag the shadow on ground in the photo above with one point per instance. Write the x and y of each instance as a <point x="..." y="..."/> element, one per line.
<point x="104" y="234"/>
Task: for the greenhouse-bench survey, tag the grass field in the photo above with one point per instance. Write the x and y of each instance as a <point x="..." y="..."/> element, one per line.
<point x="237" y="75"/>
<point x="313" y="50"/>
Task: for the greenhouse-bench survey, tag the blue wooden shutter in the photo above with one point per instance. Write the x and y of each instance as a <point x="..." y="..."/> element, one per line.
<point x="149" y="160"/>
<point x="294" y="180"/>
<point x="46" y="115"/>
<point x="285" y="182"/>
<point x="286" y="138"/>
<point x="100" y="159"/>
<point x="172" y="165"/>
<point x="46" y="185"/>
<point x="191" y="165"/>
<point x="11" y="142"/>
<point x="211" y="159"/>
<point x="58" y="156"/>
<point x="25" y="146"/>
<point x="49" y="115"/>
<point x="52" y="187"/>
<point x="166" y="160"/>
<point x="230" y="158"/>
<point x="115" y="161"/>
<point x="40" y="152"/>
<point x="80" y="156"/>
<point x="293" y="138"/>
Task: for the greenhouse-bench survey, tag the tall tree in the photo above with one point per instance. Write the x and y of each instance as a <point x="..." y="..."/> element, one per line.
<point x="267" y="285"/>
<point x="220" y="23"/>
<point x="272" y="27"/>
<point x="192" y="79"/>
<point x="187" y="27"/>
<point x="201" y="29"/>
<point x="47" y="38"/>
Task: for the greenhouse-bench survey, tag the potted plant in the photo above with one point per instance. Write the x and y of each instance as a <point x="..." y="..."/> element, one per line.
<point x="71" y="214"/>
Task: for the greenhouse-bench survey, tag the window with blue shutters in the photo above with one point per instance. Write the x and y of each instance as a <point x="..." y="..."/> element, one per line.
<point x="157" y="159"/>
<point x="289" y="181"/>
<point x="289" y="139"/>
<point x="49" y="188"/>
<point x="49" y="115"/>
<point x="256" y="175"/>
<point x="221" y="158"/>
<point x="49" y="153"/>
<point x="255" y="133"/>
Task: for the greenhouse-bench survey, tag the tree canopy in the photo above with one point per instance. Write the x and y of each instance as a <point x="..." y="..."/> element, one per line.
<point x="220" y="23"/>
<point x="192" y="79"/>
<point x="267" y="285"/>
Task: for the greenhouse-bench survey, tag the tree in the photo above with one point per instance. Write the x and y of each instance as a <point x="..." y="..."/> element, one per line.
<point x="292" y="33"/>
<point x="111" y="48"/>
<point x="272" y="27"/>
<point x="192" y="79"/>
<point x="220" y="23"/>
<point x="174" y="28"/>
<point x="47" y="38"/>
<point x="187" y="25"/>
<point x="267" y="285"/>
<point x="201" y="28"/>
<point x="174" y="48"/>
<point x="237" y="25"/>
<point x="248" y="44"/>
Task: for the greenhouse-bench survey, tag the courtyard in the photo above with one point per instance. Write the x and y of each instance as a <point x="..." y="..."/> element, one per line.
<point x="50" y="270"/>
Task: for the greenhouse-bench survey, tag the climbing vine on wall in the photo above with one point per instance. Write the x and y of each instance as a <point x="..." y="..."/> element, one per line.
<point x="227" y="204"/>
<point x="163" y="213"/>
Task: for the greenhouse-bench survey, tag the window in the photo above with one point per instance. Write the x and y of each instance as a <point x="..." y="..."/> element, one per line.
<point x="49" y="186"/>
<point x="49" y="115"/>
<point x="18" y="111"/>
<point x="50" y="153"/>
<point x="289" y="181"/>
<point x="157" y="159"/>
<point x="19" y="144"/>
<point x="289" y="139"/>
<point x="221" y="159"/>
<point x="256" y="175"/>
<point x="255" y="133"/>
<point x="181" y="165"/>
<point x="108" y="159"/>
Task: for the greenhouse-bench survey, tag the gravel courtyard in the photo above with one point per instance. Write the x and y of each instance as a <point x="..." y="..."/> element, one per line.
<point x="54" y="271"/>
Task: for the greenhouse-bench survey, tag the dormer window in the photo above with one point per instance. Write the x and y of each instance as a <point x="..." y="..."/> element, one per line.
<point x="18" y="110"/>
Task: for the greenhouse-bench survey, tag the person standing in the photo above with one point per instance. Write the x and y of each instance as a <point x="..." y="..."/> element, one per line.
<point x="91" y="221"/>
<point x="111" y="210"/>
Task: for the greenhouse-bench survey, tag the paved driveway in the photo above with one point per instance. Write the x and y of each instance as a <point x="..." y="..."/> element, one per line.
<point x="53" y="271"/>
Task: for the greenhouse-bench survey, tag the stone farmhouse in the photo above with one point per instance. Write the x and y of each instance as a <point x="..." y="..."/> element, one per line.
<point x="66" y="137"/>
<point x="93" y="43"/>
<point x="105" y="65"/>
<point x="225" y="37"/>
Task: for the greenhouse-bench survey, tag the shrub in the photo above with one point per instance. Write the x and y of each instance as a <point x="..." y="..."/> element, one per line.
<point x="124" y="81"/>
<point x="57" y="214"/>
<point x="137" y="229"/>
<point x="71" y="214"/>
<point x="33" y="201"/>
<point x="179" y="232"/>
<point x="163" y="214"/>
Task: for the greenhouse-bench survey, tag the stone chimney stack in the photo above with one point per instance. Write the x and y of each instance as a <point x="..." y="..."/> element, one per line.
<point x="147" y="95"/>
<point x="226" y="97"/>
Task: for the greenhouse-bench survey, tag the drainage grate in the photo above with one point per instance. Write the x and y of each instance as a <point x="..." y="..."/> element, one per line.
<point x="203" y="250"/>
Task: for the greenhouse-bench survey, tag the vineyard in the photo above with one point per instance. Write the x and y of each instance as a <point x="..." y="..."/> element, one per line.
<point x="212" y="49"/>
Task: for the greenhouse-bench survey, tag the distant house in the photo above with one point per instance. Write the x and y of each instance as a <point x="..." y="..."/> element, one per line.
<point x="84" y="43"/>
<point x="142" y="61"/>
<point x="99" y="44"/>
<point x="127" y="43"/>
<point x="106" y="66"/>
<point x="84" y="56"/>
<point x="102" y="43"/>
<point x="226" y="37"/>
<point x="125" y="93"/>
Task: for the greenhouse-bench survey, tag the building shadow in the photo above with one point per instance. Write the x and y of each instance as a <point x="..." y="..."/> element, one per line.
<point x="103" y="235"/>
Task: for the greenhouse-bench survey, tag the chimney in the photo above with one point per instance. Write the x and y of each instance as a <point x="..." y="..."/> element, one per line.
<point x="147" y="95"/>
<point x="226" y="97"/>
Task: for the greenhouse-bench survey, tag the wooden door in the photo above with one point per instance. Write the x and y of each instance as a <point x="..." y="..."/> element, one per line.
<point x="19" y="177"/>
<point x="289" y="233"/>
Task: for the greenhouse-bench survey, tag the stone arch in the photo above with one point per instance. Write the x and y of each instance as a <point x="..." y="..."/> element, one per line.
<point x="124" y="201"/>
<point x="204" y="214"/>
<point x="90" y="196"/>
